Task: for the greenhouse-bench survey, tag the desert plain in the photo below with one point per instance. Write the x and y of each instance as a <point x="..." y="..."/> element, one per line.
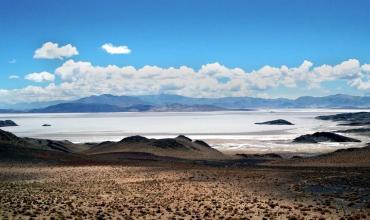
<point x="160" y="190"/>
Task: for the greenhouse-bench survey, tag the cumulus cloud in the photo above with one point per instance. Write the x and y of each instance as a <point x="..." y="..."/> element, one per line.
<point x="81" y="78"/>
<point x="13" y="77"/>
<point x="111" y="49"/>
<point x="50" y="50"/>
<point x="366" y="68"/>
<point x="40" y="77"/>
<point x="361" y="84"/>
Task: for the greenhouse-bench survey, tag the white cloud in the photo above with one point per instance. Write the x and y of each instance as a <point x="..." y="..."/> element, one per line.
<point x="366" y="68"/>
<point x="50" y="50"/>
<point x="13" y="77"/>
<point x="361" y="84"/>
<point x="40" y="77"/>
<point x="80" y="78"/>
<point x="111" y="49"/>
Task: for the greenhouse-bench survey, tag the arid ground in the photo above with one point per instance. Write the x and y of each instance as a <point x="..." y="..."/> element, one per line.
<point x="160" y="190"/>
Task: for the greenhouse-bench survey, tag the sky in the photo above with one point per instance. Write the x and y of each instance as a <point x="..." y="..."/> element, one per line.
<point x="59" y="50"/>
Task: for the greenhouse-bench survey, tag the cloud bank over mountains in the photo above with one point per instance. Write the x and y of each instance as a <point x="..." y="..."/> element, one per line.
<point x="81" y="78"/>
<point x="74" y="79"/>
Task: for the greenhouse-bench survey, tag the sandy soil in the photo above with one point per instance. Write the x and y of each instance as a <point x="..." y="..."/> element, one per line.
<point x="181" y="191"/>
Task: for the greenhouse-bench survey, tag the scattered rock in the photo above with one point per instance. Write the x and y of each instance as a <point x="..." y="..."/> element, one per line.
<point x="46" y="125"/>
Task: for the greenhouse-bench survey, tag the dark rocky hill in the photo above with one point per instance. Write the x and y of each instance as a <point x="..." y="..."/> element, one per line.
<point x="323" y="137"/>
<point x="7" y="123"/>
<point x="275" y="122"/>
<point x="180" y="147"/>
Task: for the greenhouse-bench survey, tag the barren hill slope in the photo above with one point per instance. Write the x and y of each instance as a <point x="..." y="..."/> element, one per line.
<point x="180" y="147"/>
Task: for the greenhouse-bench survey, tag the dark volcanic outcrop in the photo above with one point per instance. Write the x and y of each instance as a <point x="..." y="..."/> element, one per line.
<point x="355" y="130"/>
<point x="7" y="123"/>
<point x="275" y="122"/>
<point x="323" y="137"/>
<point x="364" y="123"/>
<point x="179" y="147"/>
<point x="350" y="119"/>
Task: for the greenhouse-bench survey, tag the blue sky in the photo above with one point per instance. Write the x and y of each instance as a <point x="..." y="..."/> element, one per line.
<point x="172" y="33"/>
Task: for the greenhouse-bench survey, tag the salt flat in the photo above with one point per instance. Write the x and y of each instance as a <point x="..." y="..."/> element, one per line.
<point x="226" y="131"/>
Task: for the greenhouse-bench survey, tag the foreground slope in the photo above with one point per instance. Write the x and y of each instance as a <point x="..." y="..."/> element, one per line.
<point x="351" y="157"/>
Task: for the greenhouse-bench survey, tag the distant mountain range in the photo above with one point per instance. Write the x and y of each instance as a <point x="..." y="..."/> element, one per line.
<point x="167" y="103"/>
